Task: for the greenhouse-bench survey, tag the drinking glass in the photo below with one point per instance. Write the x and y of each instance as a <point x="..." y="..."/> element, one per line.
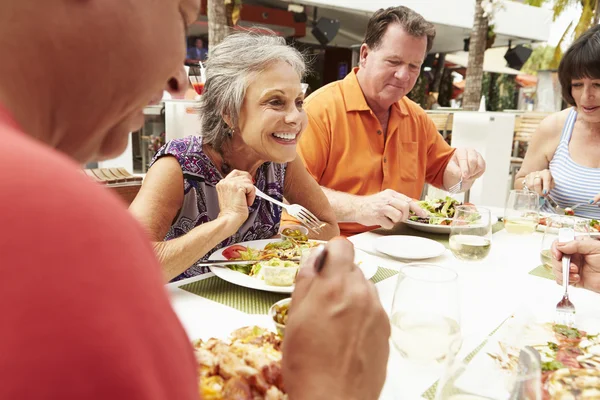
<point x="425" y="314"/>
<point x="580" y="226"/>
<point x="197" y="77"/>
<point x="521" y="214"/>
<point x="464" y="380"/>
<point x="471" y="233"/>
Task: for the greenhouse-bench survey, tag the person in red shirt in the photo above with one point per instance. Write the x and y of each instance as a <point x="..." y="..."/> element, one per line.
<point x="83" y="308"/>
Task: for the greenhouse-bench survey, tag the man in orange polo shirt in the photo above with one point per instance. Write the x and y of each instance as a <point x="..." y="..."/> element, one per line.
<point x="372" y="149"/>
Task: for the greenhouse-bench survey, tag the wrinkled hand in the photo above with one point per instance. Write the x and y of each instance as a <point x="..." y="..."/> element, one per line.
<point x="540" y="182"/>
<point x="466" y="164"/>
<point x="585" y="263"/>
<point x="336" y="343"/>
<point x="236" y="193"/>
<point x="386" y="209"/>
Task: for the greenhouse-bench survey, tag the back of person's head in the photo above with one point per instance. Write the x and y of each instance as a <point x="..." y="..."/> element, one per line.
<point x="581" y="60"/>
<point x="230" y="69"/>
<point x="412" y="22"/>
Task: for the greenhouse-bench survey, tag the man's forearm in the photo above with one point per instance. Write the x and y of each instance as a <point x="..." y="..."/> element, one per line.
<point x="344" y="205"/>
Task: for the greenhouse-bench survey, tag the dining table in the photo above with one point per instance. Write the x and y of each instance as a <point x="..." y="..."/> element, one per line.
<point x="511" y="279"/>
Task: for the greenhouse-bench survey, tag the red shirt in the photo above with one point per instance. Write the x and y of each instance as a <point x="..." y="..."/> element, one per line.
<point x="82" y="303"/>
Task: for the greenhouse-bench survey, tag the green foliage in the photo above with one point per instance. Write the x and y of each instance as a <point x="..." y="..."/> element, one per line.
<point x="419" y="92"/>
<point x="446" y="88"/>
<point x="499" y="91"/>
<point x="540" y="59"/>
<point x="536" y="3"/>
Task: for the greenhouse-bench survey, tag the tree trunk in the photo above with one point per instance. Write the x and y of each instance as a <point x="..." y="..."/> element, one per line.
<point x="596" y="13"/>
<point x="477" y="44"/>
<point x="217" y="23"/>
<point x="439" y="71"/>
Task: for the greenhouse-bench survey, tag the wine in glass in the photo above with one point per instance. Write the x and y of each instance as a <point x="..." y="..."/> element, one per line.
<point x="580" y="226"/>
<point x="521" y="214"/>
<point x="471" y="233"/>
<point x="425" y="313"/>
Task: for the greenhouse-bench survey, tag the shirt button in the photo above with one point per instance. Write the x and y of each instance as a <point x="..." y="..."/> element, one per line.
<point x="384" y="159"/>
<point x="379" y="132"/>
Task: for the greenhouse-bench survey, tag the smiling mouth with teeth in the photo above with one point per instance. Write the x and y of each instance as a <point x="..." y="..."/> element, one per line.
<point x="285" y="136"/>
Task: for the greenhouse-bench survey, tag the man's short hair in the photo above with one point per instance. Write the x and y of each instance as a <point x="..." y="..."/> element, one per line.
<point x="412" y="22"/>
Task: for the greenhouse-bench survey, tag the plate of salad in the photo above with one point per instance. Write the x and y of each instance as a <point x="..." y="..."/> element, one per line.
<point x="441" y="212"/>
<point x="273" y="272"/>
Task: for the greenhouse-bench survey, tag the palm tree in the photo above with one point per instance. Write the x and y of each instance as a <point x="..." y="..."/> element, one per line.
<point x="222" y="15"/>
<point x="590" y="15"/>
<point x="477" y="45"/>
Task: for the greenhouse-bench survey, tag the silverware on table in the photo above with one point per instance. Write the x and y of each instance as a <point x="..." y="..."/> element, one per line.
<point x="297" y="211"/>
<point x="558" y="209"/>
<point x="217" y="263"/>
<point x="565" y="310"/>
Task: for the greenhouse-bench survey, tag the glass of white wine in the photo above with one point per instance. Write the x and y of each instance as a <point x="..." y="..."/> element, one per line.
<point x="521" y="214"/>
<point x="425" y="314"/>
<point x="471" y="233"/>
<point x="580" y="226"/>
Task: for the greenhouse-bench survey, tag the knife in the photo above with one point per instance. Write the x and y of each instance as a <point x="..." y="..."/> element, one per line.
<point x="555" y="205"/>
<point x="217" y="263"/>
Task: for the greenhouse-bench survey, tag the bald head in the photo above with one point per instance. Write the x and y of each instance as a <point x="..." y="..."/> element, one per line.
<point x="77" y="73"/>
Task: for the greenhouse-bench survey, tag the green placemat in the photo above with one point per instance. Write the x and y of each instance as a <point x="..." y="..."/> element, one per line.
<point x="542" y="272"/>
<point x="247" y="300"/>
<point x="403" y="229"/>
<point x="430" y="393"/>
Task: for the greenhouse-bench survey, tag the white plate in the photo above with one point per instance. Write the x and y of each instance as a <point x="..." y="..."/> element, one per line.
<point x="364" y="261"/>
<point x="409" y="247"/>
<point x="542" y="228"/>
<point x="441" y="229"/>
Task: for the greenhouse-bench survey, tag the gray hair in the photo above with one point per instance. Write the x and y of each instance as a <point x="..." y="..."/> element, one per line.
<point x="230" y="68"/>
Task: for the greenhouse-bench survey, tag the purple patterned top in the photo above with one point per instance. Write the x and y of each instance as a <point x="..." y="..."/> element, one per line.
<point x="200" y="202"/>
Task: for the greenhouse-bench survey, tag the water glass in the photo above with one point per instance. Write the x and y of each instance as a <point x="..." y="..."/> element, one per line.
<point x="553" y="223"/>
<point x="425" y="314"/>
<point x="465" y="380"/>
<point x="471" y="233"/>
<point x="521" y="213"/>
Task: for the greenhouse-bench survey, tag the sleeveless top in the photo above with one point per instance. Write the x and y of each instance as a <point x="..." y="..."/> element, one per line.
<point x="574" y="183"/>
<point x="201" y="205"/>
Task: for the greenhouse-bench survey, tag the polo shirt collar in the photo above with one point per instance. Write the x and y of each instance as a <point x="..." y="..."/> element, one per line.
<point x="354" y="99"/>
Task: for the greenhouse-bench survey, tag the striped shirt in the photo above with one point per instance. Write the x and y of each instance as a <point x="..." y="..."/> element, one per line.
<point x="574" y="183"/>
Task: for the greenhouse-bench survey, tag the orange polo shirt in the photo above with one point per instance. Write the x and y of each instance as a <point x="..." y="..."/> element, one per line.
<point x="344" y="147"/>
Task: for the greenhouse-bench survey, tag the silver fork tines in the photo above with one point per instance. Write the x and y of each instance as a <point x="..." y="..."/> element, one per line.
<point x="456" y="188"/>
<point x="565" y="310"/>
<point x="307" y="218"/>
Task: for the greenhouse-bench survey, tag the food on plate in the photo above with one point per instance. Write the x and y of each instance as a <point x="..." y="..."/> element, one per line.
<point x="441" y="211"/>
<point x="569" y="211"/>
<point x="296" y="234"/>
<point x="593" y="223"/>
<point x="273" y="264"/>
<point x="570" y="361"/>
<point x="247" y="367"/>
<point x="281" y="313"/>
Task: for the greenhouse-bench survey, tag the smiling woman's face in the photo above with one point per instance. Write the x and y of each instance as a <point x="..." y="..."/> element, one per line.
<point x="272" y="118"/>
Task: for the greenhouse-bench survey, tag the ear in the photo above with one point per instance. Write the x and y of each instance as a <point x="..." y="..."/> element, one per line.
<point x="364" y="52"/>
<point x="227" y="119"/>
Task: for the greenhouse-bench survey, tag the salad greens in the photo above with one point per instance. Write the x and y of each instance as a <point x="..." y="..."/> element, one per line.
<point x="441" y="211"/>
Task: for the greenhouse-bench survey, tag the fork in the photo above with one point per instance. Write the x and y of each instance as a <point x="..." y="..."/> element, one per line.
<point x="456" y="188"/>
<point x="559" y="210"/>
<point x="297" y="211"/>
<point x="565" y="310"/>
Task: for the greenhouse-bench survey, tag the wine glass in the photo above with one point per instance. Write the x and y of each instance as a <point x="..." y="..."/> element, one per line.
<point x="471" y="233"/>
<point x="580" y="226"/>
<point x="425" y="313"/>
<point x="465" y="380"/>
<point x="521" y="214"/>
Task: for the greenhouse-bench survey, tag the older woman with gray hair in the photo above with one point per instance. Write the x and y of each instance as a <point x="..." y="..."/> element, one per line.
<point x="199" y="194"/>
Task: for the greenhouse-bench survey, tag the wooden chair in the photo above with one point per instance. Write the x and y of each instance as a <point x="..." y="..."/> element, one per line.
<point x="119" y="180"/>
<point x="443" y="121"/>
<point x="525" y="126"/>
